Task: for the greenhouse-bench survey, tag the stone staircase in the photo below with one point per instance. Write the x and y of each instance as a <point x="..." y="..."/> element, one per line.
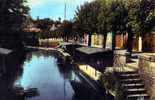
<point x="133" y="86"/>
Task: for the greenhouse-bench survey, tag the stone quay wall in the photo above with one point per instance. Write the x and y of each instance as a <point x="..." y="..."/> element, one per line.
<point x="147" y="72"/>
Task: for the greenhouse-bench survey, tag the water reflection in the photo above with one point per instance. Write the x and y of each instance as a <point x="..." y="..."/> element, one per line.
<point x="13" y="70"/>
<point x="41" y="71"/>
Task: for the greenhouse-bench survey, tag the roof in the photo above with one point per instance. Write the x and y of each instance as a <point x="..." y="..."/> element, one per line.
<point x="91" y="50"/>
<point x="5" y="51"/>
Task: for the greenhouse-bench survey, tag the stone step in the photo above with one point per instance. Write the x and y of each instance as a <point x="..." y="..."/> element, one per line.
<point x="122" y="76"/>
<point x="135" y="91"/>
<point x="130" y="81"/>
<point x="137" y="85"/>
<point x="129" y="77"/>
<point x="128" y="72"/>
<point x="133" y="85"/>
<point x="136" y="96"/>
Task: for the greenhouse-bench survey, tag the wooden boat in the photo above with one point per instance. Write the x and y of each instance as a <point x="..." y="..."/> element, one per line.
<point x="28" y="93"/>
<point x="31" y="92"/>
<point x="64" y="58"/>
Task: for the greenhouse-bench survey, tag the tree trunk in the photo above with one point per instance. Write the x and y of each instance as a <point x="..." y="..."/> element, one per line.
<point x="124" y="41"/>
<point x="130" y="41"/>
<point x="145" y="46"/>
<point x="89" y="40"/>
<point x="113" y="40"/>
<point x="105" y="39"/>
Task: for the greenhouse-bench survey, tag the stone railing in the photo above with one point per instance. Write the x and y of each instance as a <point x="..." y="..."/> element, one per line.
<point x="147" y="72"/>
<point x="120" y="59"/>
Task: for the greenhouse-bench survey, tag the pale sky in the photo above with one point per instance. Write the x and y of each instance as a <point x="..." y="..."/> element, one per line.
<point x="54" y="8"/>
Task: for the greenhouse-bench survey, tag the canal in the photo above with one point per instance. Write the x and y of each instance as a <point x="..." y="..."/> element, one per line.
<point x="41" y="71"/>
<point x="53" y="82"/>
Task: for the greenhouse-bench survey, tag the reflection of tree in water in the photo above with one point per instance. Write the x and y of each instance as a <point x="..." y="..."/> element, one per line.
<point x="37" y="54"/>
<point x="40" y="53"/>
<point x="14" y="69"/>
<point x="28" y="57"/>
<point x="66" y="71"/>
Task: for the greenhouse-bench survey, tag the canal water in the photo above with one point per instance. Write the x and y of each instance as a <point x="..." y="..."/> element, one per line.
<point x="41" y="71"/>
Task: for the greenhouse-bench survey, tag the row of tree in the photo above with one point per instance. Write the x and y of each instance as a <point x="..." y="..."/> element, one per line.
<point x="52" y="28"/>
<point x="135" y="17"/>
<point x="48" y="27"/>
<point x="126" y="16"/>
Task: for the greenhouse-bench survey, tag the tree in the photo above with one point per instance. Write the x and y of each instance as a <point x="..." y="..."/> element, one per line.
<point x="132" y="24"/>
<point x="118" y="18"/>
<point x="140" y="19"/>
<point x="45" y="25"/>
<point x="102" y="16"/>
<point x="144" y="17"/>
<point x="86" y="17"/>
<point x="12" y="14"/>
<point x="66" y="28"/>
<point x="81" y="20"/>
<point x="103" y="20"/>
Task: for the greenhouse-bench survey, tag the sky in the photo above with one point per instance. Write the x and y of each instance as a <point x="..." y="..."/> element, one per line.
<point x="54" y="8"/>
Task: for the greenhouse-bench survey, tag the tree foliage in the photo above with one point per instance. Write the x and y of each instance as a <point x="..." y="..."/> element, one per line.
<point x="131" y="16"/>
<point x="66" y="29"/>
<point x="86" y="16"/>
<point x="13" y="14"/>
<point x="49" y="28"/>
<point x="103" y="17"/>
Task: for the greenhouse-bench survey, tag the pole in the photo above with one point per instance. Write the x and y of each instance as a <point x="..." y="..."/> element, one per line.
<point x="65" y="11"/>
<point x="64" y="85"/>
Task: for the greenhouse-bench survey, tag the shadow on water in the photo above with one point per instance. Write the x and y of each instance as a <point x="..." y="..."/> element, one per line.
<point x="13" y="70"/>
<point x="84" y="92"/>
